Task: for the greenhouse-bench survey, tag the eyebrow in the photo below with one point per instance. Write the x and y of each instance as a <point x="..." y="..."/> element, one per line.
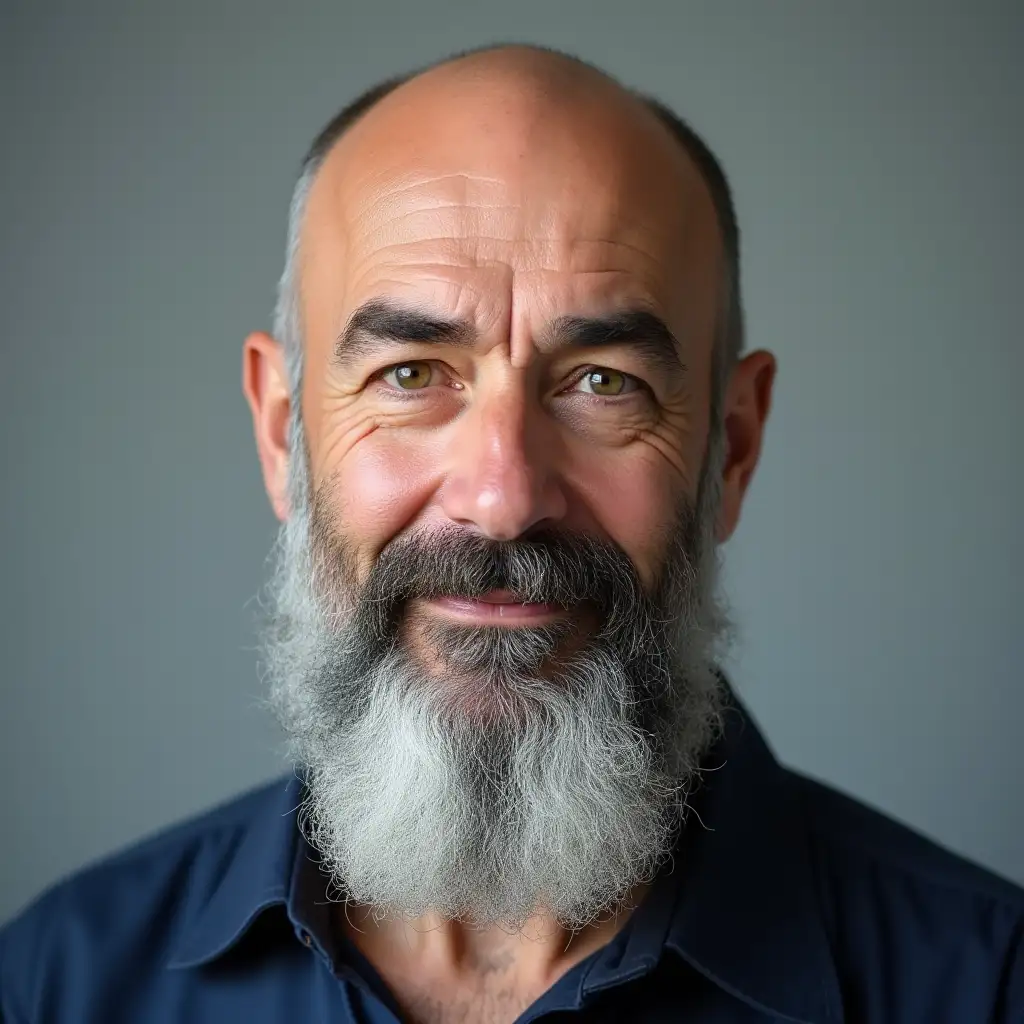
<point x="379" y="324"/>
<point x="638" y="329"/>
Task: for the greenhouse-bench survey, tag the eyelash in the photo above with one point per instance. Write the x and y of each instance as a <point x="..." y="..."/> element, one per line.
<point x="637" y="384"/>
<point x="406" y="392"/>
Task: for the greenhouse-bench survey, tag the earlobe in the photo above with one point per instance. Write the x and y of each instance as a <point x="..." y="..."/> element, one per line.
<point x="266" y="389"/>
<point x="747" y="404"/>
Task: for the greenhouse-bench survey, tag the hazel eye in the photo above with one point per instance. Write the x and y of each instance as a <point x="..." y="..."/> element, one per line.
<point x="607" y="383"/>
<point x="409" y="376"/>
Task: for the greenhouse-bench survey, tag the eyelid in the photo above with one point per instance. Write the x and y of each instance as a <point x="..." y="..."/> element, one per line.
<point x="638" y="383"/>
<point x="434" y="364"/>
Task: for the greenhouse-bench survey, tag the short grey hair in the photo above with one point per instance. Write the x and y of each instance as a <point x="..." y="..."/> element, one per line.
<point x="287" y="326"/>
<point x="729" y="340"/>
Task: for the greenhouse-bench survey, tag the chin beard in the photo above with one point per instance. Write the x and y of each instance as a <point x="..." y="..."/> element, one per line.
<point x="499" y="778"/>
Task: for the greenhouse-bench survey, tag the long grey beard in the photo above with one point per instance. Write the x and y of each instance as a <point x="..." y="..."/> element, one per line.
<point x="510" y="781"/>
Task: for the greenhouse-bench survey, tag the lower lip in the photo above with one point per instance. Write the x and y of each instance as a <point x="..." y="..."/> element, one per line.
<point x="495" y="613"/>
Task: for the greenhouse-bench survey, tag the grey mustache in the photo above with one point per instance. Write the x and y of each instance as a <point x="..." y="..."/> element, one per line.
<point x="553" y="568"/>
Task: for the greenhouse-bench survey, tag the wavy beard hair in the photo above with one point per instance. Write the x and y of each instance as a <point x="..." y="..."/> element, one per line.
<point x="482" y="773"/>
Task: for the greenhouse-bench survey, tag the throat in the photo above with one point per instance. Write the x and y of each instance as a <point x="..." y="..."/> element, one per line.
<point x="443" y="972"/>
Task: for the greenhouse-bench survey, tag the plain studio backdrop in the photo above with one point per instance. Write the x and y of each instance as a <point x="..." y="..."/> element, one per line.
<point x="148" y="152"/>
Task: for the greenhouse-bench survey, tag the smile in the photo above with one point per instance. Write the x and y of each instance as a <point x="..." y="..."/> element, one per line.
<point x="499" y="607"/>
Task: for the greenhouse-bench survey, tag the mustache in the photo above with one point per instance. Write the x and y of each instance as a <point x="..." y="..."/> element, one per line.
<point x="554" y="568"/>
<point x="550" y="567"/>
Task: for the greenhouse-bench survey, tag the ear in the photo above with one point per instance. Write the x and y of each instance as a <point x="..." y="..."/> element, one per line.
<point x="748" y="400"/>
<point x="265" y="385"/>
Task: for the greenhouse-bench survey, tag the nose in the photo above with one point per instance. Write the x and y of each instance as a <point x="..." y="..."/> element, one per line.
<point x="503" y="478"/>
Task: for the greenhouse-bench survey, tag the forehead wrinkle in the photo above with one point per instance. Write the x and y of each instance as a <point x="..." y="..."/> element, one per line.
<point x="396" y="216"/>
<point x="555" y="241"/>
<point x="456" y="188"/>
<point x="553" y="183"/>
<point x="441" y="228"/>
<point x="554" y="232"/>
<point x="552" y="254"/>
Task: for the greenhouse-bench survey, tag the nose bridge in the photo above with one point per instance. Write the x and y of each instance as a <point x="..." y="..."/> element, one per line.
<point x="502" y="477"/>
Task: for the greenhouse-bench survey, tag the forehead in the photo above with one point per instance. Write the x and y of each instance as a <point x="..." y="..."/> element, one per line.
<point x="479" y="195"/>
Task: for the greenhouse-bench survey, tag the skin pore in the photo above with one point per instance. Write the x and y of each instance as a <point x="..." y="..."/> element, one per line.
<point x="455" y="240"/>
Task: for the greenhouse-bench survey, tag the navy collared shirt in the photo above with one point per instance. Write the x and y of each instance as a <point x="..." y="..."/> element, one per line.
<point x="785" y="902"/>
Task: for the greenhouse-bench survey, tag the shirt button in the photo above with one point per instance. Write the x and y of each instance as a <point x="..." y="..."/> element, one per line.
<point x="307" y="939"/>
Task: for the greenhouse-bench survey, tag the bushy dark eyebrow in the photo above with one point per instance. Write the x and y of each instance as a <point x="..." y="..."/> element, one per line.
<point x="380" y="324"/>
<point x="637" y="329"/>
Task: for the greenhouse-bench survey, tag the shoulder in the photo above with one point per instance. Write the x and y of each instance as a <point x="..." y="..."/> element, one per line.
<point x="850" y="828"/>
<point x="127" y="911"/>
<point x="899" y="905"/>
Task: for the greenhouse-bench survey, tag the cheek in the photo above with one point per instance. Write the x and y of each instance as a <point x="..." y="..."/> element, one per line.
<point x="634" y="499"/>
<point x="379" y="487"/>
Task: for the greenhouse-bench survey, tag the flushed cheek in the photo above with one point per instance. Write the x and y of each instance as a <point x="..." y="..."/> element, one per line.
<point x="380" y="487"/>
<point x="634" y="501"/>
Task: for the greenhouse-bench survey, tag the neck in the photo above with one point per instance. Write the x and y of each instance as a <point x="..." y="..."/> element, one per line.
<point x="446" y="955"/>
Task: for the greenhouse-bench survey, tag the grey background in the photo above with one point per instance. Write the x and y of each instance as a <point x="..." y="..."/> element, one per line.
<point x="147" y="156"/>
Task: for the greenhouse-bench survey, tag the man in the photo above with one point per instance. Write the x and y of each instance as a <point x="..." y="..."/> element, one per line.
<point x="505" y="421"/>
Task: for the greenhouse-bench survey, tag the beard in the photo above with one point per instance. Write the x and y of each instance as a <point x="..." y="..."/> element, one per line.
<point x="489" y="774"/>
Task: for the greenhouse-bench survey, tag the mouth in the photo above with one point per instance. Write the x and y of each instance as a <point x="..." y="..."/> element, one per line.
<point x="497" y="608"/>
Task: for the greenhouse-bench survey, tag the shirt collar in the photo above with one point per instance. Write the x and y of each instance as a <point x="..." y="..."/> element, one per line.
<point x="257" y="874"/>
<point x="739" y="904"/>
<point x="748" y="914"/>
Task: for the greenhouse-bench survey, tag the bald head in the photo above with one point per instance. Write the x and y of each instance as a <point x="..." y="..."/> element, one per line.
<point x="521" y="97"/>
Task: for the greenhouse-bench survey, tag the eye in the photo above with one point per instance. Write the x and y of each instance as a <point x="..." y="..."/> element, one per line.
<point x="600" y="380"/>
<point x="411" y="376"/>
